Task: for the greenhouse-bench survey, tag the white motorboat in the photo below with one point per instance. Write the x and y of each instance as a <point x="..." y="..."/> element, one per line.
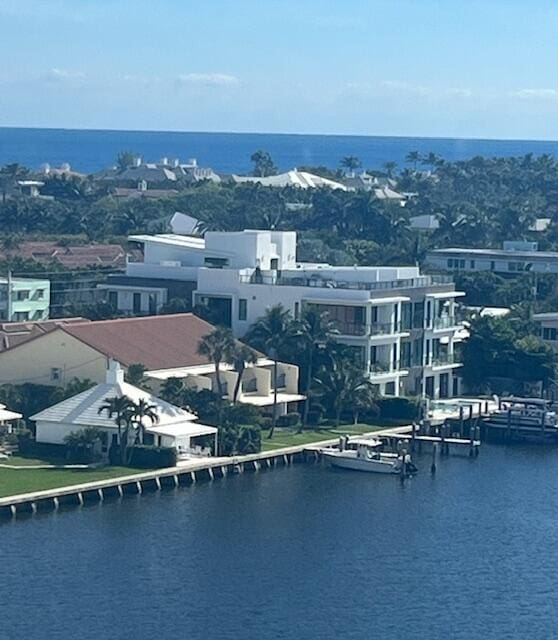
<point x="365" y="455"/>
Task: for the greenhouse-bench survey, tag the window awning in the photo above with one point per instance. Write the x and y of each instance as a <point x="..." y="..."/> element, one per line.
<point x="446" y="294"/>
<point x="392" y="300"/>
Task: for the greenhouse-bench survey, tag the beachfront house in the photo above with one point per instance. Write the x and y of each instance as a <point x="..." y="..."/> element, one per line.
<point x="402" y="324"/>
<point x="166" y="346"/>
<point x="174" y="427"/>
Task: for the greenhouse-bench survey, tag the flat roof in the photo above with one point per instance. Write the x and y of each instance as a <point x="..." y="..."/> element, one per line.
<point x="503" y="253"/>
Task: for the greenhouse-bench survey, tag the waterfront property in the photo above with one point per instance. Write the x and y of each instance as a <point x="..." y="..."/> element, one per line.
<point x="166" y="346"/>
<point x="23" y="299"/>
<point x="173" y="427"/>
<point x="548" y="327"/>
<point x="402" y="324"/>
<point x="513" y="258"/>
<point x="294" y="178"/>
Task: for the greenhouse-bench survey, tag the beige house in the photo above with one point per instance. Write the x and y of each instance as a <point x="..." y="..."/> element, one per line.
<point x="165" y="345"/>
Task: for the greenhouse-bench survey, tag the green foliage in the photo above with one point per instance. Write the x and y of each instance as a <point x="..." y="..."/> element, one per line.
<point x="496" y="348"/>
<point x="399" y="408"/>
<point x="135" y="374"/>
<point x="150" y="457"/>
<point x="291" y="419"/>
<point x="263" y="164"/>
<point x="81" y="444"/>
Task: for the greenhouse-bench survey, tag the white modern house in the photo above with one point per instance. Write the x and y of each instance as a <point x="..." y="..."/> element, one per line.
<point x="175" y="427"/>
<point x="515" y="257"/>
<point x="548" y="327"/>
<point x="402" y="324"/>
<point x="23" y="299"/>
<point x="294" y="178"/>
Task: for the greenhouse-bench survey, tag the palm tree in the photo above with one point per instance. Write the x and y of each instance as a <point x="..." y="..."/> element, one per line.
<point x="271" y="334"/>
<point x="350" y="163"/>
<point x="390" y="167"/>
<point x="313" y="330"/>
<point x="9" y="175"/>
<point x="217" y="347"/>
<point x="140" y="410"/>
<point x="241" y="356"/>
<point x="172" y="390"/>
<point x="345" y="386"/>
<point x="413" y="157"/>
<point x="119" y="408"/>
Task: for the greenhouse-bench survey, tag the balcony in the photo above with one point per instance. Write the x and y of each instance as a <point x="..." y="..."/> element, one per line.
<point x="351" y="329"/>
<point x="445" y="359"/>
<point x="379" y="369"/>
<point x="322" y="281"/>
<point x="446" y="322"/>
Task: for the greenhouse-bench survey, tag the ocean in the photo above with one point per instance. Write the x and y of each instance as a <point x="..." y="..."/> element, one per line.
<point x="299" y="552"/>
<point x="91" y="150"/>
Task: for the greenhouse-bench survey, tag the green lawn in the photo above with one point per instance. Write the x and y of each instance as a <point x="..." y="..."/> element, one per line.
<point x="15" y="481"/>
<point x="289" y="438"/>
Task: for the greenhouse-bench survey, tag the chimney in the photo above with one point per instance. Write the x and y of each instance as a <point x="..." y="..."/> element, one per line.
<point x="115" y="375"/>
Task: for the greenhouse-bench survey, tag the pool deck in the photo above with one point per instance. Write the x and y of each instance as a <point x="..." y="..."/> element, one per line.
<point x="187" y="472"/>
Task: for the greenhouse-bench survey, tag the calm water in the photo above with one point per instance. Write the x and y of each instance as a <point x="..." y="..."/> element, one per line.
<point x="302" y="552"/>
<point x="230" y="152"/>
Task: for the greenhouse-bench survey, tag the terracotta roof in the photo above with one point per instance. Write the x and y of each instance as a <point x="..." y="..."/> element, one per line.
<point x="16" y="333"/>
<point x="103" y="255"/>
<point x="157" y="342"/>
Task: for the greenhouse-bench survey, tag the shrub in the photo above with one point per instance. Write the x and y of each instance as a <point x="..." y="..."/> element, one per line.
<point x="149" y="457"/>
<point x="314" y="417"/>
<point x="399" y="408"/>
<point x="249" y="439"/>
<point x="289" y="420"/>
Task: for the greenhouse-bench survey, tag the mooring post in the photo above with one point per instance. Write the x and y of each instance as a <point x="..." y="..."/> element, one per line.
<point x="443" y="439"/>
<point x="477" y="438"/>
<point x="461" y="421"/>
<point x="413" y="436"/>
<point x="433" y="465"/>
<point x="472" y="441"/>
<point x="193" y="476"/>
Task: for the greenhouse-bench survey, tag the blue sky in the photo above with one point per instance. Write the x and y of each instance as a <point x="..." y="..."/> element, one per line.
<point x="466" y="68"/>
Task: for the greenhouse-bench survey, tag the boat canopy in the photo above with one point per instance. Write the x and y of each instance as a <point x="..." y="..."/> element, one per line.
<point x="364" y="442"/>
<point x="539" y="402"/>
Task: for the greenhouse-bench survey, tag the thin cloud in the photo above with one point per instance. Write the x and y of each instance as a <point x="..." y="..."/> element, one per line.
<point x="536" y="94"/>
<point x="396" y="86"/>
<point x="64" y="75"/>
<point x="209" y="80"/>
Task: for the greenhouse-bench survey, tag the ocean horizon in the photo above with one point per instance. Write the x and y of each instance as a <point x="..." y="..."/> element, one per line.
<point x="89" y="150"/>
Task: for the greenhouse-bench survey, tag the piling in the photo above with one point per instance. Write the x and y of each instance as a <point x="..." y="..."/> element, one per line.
<point x="433" y="465"/>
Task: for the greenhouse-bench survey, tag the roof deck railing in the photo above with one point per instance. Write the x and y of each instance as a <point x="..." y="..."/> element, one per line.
<point x="324" y="282"/>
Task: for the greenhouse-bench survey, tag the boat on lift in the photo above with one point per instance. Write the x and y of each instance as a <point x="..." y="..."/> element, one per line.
<point x="361" y="454"/>
<point x="523" y="419"/>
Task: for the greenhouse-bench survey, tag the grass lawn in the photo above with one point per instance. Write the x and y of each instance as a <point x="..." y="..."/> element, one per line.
<point x="289" y="438"/>
<point x="15" y="481"/>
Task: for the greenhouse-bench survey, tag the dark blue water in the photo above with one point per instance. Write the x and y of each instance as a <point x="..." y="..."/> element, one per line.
<point x="230" y="152"/>
<point x="302" y="552"/>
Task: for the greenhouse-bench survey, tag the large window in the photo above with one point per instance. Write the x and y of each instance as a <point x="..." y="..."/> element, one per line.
<point x="349" y="320"/>
<point x="136" y="303"/>
<point x="113" y="299"/>
<point x="550" y="333"/>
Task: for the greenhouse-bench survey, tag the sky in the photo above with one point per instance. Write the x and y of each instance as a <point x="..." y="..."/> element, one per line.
<point x="455" y="68"/>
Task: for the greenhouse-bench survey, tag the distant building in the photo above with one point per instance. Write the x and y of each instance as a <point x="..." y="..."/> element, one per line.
<point x="428" y="222"/>
<point x="72" y="256"/>
<point x="23" y="299"/>
<point x="400" y="322"/>
<point x="548" y="327"/>
<point x="513" y="258"/>
<point x="15" y="333"/>
<point x="294" y="178"/>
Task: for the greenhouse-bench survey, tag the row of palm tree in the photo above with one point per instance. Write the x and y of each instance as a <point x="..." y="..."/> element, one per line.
<point x="129" y="417"/>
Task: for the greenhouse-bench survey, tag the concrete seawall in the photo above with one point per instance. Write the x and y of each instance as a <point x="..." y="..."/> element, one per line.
<point x="158" y="479"/>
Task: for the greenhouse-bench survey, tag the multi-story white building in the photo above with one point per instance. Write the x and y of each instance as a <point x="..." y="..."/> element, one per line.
<point x="23" y="299"/>
<point x="402" y="324"/>
<point x="548" y="327"/>
<point x="513" y="258"/>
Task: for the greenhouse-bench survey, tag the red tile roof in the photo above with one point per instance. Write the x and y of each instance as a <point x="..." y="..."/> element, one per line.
<point x="15" y="333"/>
<point x="86" y="255"/>
<point x="157" y="342"/>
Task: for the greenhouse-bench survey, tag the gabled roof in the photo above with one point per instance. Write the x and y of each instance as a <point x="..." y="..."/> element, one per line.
<point x="82" y="410"/>
<point x="15" y="333"/>
<point x="157" y="342"/>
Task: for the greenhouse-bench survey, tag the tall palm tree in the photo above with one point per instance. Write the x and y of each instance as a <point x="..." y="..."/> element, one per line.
<point x="119" y="408"/>
<point x="390" y="167"/>
<point x="241" y="356"/>
<point x="139" y="411"/>
<point x="314" y="329"/>
<point x="217" y="347"/>
<point x="272" y="334"/>
<point x="345" y="386"/>
<point x="413" y="157"/>
<point x="350" y="163"/>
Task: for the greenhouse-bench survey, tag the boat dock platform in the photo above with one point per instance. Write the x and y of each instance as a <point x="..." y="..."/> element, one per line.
<point x="187" y="473"/>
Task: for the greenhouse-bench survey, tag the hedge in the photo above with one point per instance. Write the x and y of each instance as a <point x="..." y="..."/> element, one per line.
<point x="149" y="457"/>
<point x="289" y="419"/>
<point x="399" y="408"/>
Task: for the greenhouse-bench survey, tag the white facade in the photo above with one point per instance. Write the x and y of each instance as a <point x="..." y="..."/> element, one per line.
<point x="515" y="257"/>
<point x="402" y="323"/>
<point x="23" y="299"/>
<point x="548" y="325"/>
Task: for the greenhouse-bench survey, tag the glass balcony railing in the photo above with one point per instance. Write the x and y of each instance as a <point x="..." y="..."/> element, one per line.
<point x="445" y="358"/>
<point x="351" y="329"/>
<point x="445" y="322"/>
